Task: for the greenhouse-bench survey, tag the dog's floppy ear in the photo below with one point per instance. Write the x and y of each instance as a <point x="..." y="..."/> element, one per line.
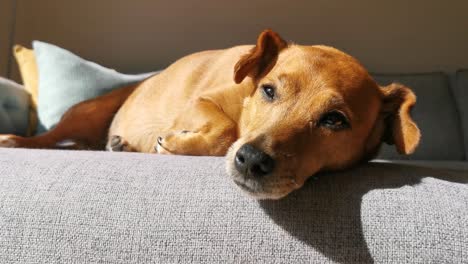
<point x="400" y="129"/>
<point x="261" y="59"/>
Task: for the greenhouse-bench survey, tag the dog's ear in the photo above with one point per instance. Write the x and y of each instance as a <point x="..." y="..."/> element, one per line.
<point x="261" y="59"/>
<point x="400" y="129"/>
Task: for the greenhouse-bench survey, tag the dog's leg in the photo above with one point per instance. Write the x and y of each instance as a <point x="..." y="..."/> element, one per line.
<point x="207" y="130"/>
<point x="83" y="126"/>
<point x="46" y="140"/>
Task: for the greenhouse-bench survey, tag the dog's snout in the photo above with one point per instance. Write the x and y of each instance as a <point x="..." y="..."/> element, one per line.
<point x="251" y="161"/>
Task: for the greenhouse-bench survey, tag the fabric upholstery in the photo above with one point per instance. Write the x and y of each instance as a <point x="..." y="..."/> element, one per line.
<point x="436" y="115"/>
<point x="99" y="207"/>
<point x="461" y="96"/>
<point x="14" y="108"/>
<point x="28" y="68"/>
<point x="66" y="79"/>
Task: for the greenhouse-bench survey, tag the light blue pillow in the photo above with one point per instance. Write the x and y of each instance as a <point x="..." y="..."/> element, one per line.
<point x="14" y="108"/>
<point x="66" y="79"/>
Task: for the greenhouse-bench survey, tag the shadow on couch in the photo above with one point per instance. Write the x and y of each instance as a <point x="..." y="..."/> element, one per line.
<point x="326" y="212"/>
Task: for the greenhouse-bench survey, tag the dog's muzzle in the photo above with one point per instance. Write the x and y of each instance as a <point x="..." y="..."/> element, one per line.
<point x="253" y="163"/>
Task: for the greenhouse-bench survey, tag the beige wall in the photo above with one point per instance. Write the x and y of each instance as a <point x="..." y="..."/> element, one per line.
<point x="143" y="35"/>
<point x="6" y="20"/>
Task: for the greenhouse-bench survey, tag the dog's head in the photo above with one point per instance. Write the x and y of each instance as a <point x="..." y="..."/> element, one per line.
<point x="311" y="108"/>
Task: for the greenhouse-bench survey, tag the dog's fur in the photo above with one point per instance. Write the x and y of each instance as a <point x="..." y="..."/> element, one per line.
<point x="215" y="102"/>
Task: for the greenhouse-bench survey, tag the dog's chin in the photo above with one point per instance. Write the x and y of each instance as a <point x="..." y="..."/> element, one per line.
<point x="262" y="191"/>
<point x="262" y="195"/>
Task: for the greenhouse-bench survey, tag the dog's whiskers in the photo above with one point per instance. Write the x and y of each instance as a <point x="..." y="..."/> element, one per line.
<point x="286" y="154"/>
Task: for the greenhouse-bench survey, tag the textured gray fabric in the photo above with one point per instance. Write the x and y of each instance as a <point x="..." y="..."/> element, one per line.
<point x="90" y="207"/>
<point x="461" y="96"/>
<point x="436" y="115"/>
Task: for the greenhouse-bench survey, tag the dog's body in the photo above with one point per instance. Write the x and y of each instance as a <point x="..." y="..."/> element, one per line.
<point x="203" y="97"/>
<point x="288" y="112"/>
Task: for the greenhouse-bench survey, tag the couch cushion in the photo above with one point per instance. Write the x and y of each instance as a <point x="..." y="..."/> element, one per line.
<point x="90" y="207"/>
<point x="436" y="115"/>
<point x="14" y="108"/>
<point x="66" y="79"/>
<point x="461" y="96"/>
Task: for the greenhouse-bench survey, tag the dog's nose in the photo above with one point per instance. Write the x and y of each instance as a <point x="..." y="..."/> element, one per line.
<point x="251" y="161"/>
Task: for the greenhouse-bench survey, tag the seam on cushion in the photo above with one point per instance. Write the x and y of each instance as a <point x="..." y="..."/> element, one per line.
<point x="452" y="87"/>
<point x="463" y="125"/>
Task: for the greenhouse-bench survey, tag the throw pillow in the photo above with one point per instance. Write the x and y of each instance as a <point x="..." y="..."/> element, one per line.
<point x="66" y="79"/>
<point x="28" y="69"/>
<point x="14" y="108"/>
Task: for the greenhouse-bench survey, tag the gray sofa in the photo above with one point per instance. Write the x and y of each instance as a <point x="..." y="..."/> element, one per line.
<point x="100" y="207"/>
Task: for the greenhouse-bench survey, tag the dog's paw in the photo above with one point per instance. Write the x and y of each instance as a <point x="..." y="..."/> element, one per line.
<point x="176" y="143"/>
<point x="8" y="141"/>
<point x="117" y="144"/>
<point x="159" y="147"/>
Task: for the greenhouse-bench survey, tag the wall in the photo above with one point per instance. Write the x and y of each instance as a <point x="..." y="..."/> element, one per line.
<point x="143" y="35"/>
<point x="7" y="11"/>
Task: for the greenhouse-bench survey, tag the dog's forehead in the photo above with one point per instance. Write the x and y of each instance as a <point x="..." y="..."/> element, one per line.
<point x="315" y="70"/>
<point x="328" y="63"/>
<point x="315" y="64"/>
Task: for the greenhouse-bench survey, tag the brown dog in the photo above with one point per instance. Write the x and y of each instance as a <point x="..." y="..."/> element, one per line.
<point x="287" y="112"/>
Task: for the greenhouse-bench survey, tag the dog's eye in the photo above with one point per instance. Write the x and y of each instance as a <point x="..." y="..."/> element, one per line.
<point x="334" y="120"/>
<point x="268" y="91"/>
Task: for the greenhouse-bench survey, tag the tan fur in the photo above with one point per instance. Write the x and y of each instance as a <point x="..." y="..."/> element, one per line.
<point x="209" y="103"/>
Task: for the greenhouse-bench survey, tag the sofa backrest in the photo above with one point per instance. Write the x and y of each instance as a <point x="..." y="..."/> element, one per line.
<point x="436" y="113"/>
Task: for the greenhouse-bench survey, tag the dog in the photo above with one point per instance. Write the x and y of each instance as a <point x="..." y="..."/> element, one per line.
<point x="279" y="112"/>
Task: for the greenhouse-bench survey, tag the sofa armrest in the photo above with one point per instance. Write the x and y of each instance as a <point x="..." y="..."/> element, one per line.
<point x="82" y="207"/>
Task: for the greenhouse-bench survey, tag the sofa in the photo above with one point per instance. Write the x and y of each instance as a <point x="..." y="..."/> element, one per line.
<point x="61" y="206"/>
